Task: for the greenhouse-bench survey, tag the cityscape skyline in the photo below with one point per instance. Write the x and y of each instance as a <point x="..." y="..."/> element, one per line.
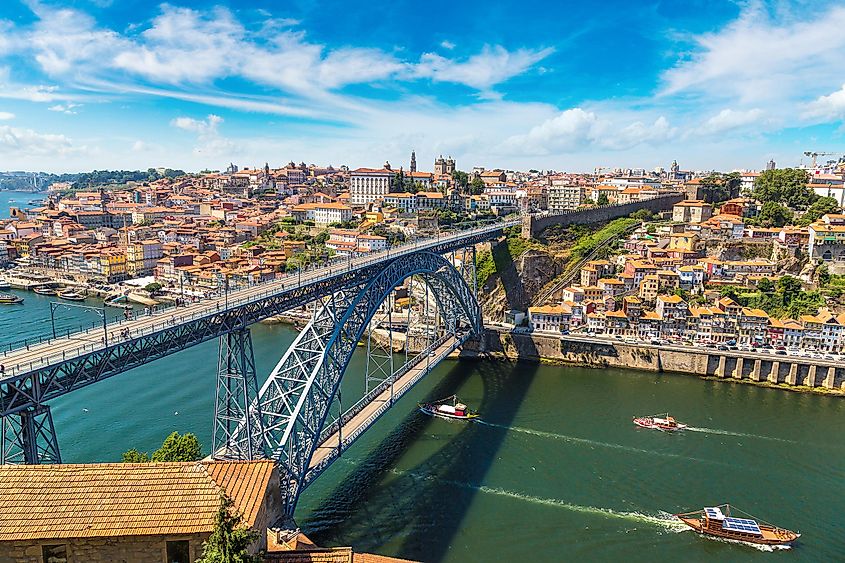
<point x="194" y="85"/>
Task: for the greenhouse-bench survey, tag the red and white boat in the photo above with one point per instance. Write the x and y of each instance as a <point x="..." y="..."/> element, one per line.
<point x="662" y="422"/>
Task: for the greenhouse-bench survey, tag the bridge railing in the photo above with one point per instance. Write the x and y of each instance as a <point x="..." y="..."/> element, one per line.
<point x="169" y="316"/>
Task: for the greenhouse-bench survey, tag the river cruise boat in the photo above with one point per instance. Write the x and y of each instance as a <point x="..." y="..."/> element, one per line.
<point x="4" y="284"/>
<point x="9" y="299"/>
<point x="448" y="408"/>
<point x="44" y="290"/>
<point x="71" y="295"/>
<point x="718" y="522"/>
<point x="662" y="422"/>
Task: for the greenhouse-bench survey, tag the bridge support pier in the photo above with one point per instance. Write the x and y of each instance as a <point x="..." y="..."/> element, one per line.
<point x="236" y="403"/>
<point x="29" y="437"/>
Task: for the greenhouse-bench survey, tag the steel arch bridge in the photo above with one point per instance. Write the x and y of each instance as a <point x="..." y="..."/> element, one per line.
<point x="289" y="418"/>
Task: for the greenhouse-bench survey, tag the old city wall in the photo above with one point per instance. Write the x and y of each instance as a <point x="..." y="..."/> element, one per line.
<point x="535" y="224"/>
<point x="787" y="371"/>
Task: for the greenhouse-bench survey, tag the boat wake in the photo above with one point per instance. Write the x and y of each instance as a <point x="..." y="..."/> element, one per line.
<point x="574" y="440"/>
<point x="739" y="434"/>
<point x="662" y="520"/>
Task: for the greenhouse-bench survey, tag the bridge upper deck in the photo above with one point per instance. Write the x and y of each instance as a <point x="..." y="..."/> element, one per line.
<point x="299" y="287"/>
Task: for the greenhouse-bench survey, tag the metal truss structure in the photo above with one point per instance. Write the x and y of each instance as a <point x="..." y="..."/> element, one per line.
<point x="27" y="425"/>
<point x="295" y="400"/>
<point x="237" y="388"/>
<point x="29" y="437"/>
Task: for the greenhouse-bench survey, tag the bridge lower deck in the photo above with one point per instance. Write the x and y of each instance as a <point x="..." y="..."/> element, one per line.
<point x="358" y="423"/>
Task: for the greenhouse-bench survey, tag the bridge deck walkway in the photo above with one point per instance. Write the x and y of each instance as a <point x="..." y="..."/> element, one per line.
<point x="55" y="351"/>
<point x="366" y="416"/>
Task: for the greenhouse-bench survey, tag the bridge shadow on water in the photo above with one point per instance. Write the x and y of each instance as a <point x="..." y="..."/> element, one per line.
<point x="418" y="512"/>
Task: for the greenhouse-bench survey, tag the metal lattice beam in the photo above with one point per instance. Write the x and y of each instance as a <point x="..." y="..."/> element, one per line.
<point x="295" y="400"/>
<point x="29" y="437"/>
<point x="237" y="389"/>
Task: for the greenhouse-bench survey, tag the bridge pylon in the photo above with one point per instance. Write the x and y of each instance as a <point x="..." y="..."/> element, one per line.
<point x="29" y="437"/>
<point x="236" y="403"/>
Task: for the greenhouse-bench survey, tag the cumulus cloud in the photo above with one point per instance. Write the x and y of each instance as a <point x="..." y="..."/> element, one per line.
<point x="577" y="129"/>
<point x="831" y="106"/>
<point x="6" y="116"/>
<point x="209" y="140"/>
<point x="446" y="44"/>
<point x="729" y="120"/>
<point x="16" y="141"/>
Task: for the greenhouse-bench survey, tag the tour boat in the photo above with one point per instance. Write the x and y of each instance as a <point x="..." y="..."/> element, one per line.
<point x="71" y="295"/>
<point x="448" y="408"/>
<point x="662" y="422"/>
<point x="44" y="290"/>
<point x="717" y="522"/>
<point x="4" y="284"/>
<point x="9" y="299"/>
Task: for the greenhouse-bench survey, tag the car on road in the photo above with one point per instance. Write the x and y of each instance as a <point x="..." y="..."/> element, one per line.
<point x="780" y="352"/>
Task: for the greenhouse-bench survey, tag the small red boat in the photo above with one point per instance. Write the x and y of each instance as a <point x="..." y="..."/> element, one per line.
<point x="662" y="422"/>
<point x="717" y="521"/>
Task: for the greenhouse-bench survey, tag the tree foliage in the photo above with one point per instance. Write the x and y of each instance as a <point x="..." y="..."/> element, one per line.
<point x="476" y="186"/>
<point x="720" y="187"/>
<point x="230" y="540"/>
<point x="787" y="300"/>
<point x="602" y="199"/>
<point x="134" y="456"/>
<point x="772" y="214"/>
<point x="819" y="208"/>
<point x="787" y="186"/>
<point x="152" y="288"/>
<point x="461" y="179"/>
<point x="177" y="447"/>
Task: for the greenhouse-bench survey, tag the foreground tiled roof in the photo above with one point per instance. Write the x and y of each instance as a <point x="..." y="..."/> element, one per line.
<point x="121" y="499"/>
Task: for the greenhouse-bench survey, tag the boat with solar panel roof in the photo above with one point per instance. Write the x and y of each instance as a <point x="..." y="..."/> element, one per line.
<point x="722" y="522"/>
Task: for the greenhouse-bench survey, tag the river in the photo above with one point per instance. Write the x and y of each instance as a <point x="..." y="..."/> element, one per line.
<point x="555" y="472"/>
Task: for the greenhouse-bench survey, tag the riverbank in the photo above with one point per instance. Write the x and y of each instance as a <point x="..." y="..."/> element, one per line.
<point x="778" y="372"/>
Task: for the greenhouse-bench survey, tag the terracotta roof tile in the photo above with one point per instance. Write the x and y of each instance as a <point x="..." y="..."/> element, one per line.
<point x="119" y="499"/>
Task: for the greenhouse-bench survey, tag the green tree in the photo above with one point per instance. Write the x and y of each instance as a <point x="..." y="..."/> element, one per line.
<point x="153" y="288"/>
<point x="476" y="186"/>
<point x="765" y="285"/>
<point x="461" y="179"/>
<point x="230" y="540"/>
<point x="134" y="456"/>
<point x="773" y="214"/>
<point x="784" y="185"/>
<point x="823" y="274"/>
<point x="720" y="187"/>
<point x="642" y="215"/>
<point x="602" y="199"/>
<point x="820" y="207"/>
<point x="789" y="287"/>
<point x="179" y="448"/>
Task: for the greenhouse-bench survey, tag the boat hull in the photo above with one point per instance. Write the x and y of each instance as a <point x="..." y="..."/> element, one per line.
<point x="431" y="411"/>
<point x="651" y="425"/>
<point x="771" y="536"/>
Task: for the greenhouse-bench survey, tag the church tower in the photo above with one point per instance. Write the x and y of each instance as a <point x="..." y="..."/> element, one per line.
<point x="413" y="161"/>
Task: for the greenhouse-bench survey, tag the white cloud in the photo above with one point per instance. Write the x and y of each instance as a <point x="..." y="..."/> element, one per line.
<point x="482" y="71"/>
<point x="577" y="130"/>
<point x="827" y="107"/>
<point x="758" y="58"/>
<point x="64" y="108"/>
<point x="729" y="120"/>
<point x="209" y="140"/>
<point x="446" y="44"/>
<point x="6" y="116"/>
<point x="26" y="142"/>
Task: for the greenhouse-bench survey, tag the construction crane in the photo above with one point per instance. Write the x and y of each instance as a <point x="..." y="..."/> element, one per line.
<point x="814" y="154"/>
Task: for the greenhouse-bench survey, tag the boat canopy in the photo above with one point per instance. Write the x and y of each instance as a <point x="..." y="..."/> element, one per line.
<point x="714" y="513"/>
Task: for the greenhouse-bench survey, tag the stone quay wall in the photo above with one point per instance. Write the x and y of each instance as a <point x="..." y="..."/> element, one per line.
<point x="787" y="371"/>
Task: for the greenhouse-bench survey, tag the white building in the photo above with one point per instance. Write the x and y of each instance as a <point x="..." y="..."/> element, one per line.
<point x="327" y="213"/>
<point x="369" y="184"/>
<point x="563" y="198"/>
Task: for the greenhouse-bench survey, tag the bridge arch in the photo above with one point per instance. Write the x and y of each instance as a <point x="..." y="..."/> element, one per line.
<point x="294" y="402"/>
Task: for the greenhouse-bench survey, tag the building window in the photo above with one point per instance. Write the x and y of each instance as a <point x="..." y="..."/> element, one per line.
<point x="54" y="553"/>
<point x="178" y="552"/>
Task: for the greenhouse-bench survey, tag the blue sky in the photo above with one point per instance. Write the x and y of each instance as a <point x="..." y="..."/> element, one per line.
<point x="564" y="85"/>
